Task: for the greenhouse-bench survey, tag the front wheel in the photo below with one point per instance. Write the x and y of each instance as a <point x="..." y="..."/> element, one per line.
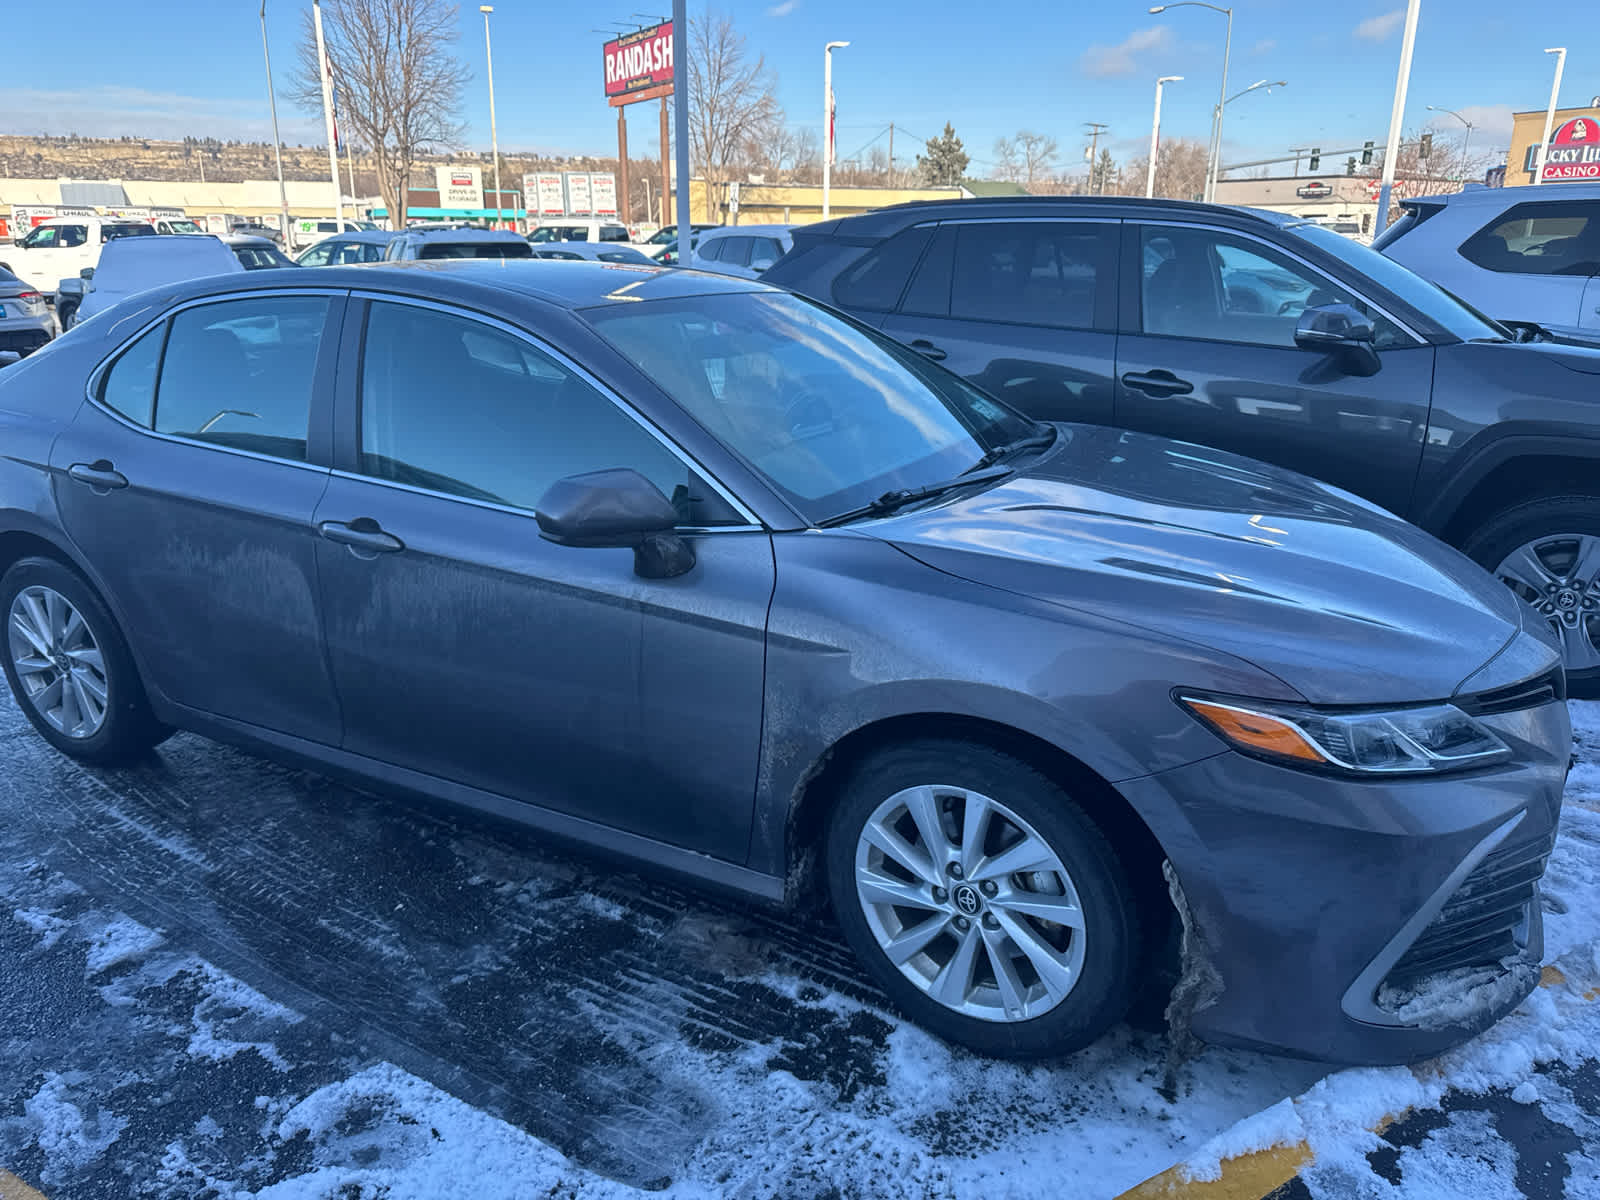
<point x="983" y="899"/>
<point x="69" y="668"/>
<point x="1548" y="553"/>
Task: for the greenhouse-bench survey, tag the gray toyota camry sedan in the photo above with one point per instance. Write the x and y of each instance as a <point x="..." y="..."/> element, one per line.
<point x="706" y="576"/>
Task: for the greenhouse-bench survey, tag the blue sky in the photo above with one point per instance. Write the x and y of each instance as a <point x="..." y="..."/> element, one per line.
<point x="174" y="66"/>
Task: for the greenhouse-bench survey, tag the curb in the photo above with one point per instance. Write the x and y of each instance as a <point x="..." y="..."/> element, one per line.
<point x="12" y="1188"/>
<point x="1257" y="1175"/>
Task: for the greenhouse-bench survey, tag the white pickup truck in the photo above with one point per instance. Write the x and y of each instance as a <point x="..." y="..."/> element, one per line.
<point x="62" y="246"/>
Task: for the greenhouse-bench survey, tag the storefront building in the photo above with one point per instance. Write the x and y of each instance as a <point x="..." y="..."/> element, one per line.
<point x="1573" y="154"/>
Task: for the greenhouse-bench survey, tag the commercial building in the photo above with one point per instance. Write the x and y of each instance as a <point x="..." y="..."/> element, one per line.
<point x="255" y="200"/>
<point x="1573" y="153"/>
<point x="744" y="203"/>
<point x="1331" y="199"/>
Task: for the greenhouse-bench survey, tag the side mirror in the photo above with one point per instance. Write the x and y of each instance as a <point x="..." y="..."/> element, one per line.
<point x="1342" y="330"/>
<point x="86" y="273"/>
<point x="617" y="507"/>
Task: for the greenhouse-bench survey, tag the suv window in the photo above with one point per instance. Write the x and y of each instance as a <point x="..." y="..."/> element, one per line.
<point x="1034" y="272"/>
<point x="735" y="251"/>
<point x="239" y="373"/>
<point x="318" y="256"/>
<point x="874" y="283"/>
<point x="613" y="233"/>
<point x="1201" y="283"/>
<point x="110" y="233"/>
<point x="457" y="406"/>
<point x="129" y="387"/>
<point x="1560" y="238"/>
<point x="42" y="238"/>
<point x="517" y="249"/>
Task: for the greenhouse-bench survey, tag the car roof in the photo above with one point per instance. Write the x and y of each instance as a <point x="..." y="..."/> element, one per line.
<point x="242" y="239"/>
<point x="1505" y="197"/>
<point x="377" y="236"/>
<point x="568" y="285"/>
<point x="96" y="217"/>
<point x="725" y="230"/>
<point x="132" y="264"/>
<point x="886" y="221"/>
<point x="466" y="235"/>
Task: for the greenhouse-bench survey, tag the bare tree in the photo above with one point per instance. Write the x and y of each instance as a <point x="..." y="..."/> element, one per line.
<point x="1027" y="158"/>
<point x="1180" y="170"/>
<point x="731" y="101"/>
<point x="399" y="82"/>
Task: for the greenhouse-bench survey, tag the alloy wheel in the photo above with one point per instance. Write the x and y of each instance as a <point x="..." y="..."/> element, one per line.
<point x="58" y="662"/>
<point x="969" y="903"/>
<point x="1558" y="576"/>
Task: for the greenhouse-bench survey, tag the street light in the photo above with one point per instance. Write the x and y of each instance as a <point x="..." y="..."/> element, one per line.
<point x="1214" y="159"/>
<point x="1550" y="113"/>
<point x="1464" y="121"/>
<point x="827" y="120"/>
<point x="1402" y="84"/>
<point x="494" y="137"/>
<point x="1155" y="136"/>
<point x="1257" y="86"/>
<point x="327" y="118"/>
<point x="277" y="142"/>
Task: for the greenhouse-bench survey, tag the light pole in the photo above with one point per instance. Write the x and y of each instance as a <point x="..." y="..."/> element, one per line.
<point x="327" y="117"/>
<point x="827" y="120"/>
<point x="1468" y="141"/>
<point x="1155" y="136"/>
<point x="1550" y="113"/>
<point x="1214" y="160"/>
<point x="1391" y="148"/>
<point x="494" y="136"/>
<point x="277" y="142"/>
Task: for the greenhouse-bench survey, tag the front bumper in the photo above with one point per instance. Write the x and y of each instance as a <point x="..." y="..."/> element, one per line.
<point x="1364" y="922"/>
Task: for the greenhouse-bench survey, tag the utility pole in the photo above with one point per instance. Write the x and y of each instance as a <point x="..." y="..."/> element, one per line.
<point x="277" y="142"/>
<point x="327" y="117"/>
<point x="1391" y="151"/>
<point x="1297" y="151"/>
<point x="1550" y="113"/>
<point x="680" y="115"/>
<point x="827" y="121"/>
<point x="494" y="134"/>
<point x="891" y="153"/>
<point x="1095" y="129"/>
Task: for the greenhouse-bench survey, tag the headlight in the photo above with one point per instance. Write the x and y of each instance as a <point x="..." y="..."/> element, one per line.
<point x="1397" y="741"/>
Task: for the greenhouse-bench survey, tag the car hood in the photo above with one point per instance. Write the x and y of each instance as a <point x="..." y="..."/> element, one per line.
<point x="1342" y="601"/>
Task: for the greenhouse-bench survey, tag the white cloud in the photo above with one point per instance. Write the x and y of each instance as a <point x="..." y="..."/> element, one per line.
<point x="1100" y="62"/>
<point x="1380" y="29"/>
<point x="783" y="9"/>
<point x="112" y="111"/>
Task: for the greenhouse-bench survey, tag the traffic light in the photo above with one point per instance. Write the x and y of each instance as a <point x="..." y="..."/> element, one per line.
<point x="1425" y="147"/>
<point x="1316" y="160"/>
<point x="1350" y="165"/>
<point x="1366" y="154"/>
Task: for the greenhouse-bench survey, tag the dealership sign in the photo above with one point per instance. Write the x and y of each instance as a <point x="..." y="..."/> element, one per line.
<point x="460" y="187"/>
<point x="1573" y="152"/>
<point x="639" y="61"/>
<point x="1315" y="190"/>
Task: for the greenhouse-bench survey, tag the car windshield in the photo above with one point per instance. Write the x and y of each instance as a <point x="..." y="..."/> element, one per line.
<point x="831" y="415"/>
<point x="476" y="250"/>
<point x="184" y="227"/>
<point x="110" y="233"/>
<point x="1434" y="302"/>
<point x="262" y="258"/>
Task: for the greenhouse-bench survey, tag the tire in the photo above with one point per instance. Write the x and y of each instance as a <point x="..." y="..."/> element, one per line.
<point x="31" y="595"/>
<point x="1554" y="529"/>
<point x="1091" y="969"/>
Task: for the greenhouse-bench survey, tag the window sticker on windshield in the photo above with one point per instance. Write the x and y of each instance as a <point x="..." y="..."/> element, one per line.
<point x="717" y="375"/>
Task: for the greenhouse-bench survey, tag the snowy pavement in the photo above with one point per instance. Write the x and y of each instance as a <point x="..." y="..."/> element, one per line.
<point x="220" y="977"/>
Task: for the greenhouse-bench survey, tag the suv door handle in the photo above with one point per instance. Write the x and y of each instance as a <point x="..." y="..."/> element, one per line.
<point x="928" y="350"/>
<point x="361" y="534"/>
<point x="100" y="475"/>
<point x="1158" y="383"/>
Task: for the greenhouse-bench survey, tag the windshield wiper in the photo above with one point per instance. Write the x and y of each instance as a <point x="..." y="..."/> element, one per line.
<point x="901" y="497"/>
<point x="1045" y="437"/>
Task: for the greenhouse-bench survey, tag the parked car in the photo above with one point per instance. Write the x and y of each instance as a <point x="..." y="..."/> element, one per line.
<point x="134" y="265"/>
<point x="175" y="225"/>
<point x="255" y="229"/>
<point x="697" y="572"/>
<point x="1523" y="254"/>
<point x="667" y="254"/>
<point x="1259" y="333"/>
<point x="742" y="250"/>
<point x="25" y="323"/>
<point x="304" y="232"/>
<point x="668" y="235"/>
<point x="594" y="252"/>
<point x="63" y="246"/>
<point x="344" y="249"/>
<point x="580" y="229"/>
<point x="456" y="243"/>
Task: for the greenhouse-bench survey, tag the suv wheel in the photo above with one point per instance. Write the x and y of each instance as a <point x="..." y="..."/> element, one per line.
<point x="69" y="667"/>
<point x="1548" y="552"/>
<point x="983" y="899"/>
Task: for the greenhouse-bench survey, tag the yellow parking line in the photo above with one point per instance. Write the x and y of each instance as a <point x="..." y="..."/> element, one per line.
<point x="12" y="1188"/>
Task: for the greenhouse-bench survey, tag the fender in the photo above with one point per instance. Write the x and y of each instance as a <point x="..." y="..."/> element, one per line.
<point x="1477" y="463"/>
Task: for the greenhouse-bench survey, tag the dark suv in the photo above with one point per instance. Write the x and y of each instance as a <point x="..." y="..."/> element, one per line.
<point x="1259" y="333"/>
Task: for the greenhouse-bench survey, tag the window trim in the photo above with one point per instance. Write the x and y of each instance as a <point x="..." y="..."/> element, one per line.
<point x="318" y="442"/>
<point x="347" y="436"/>
<point x="1131" y="309"/>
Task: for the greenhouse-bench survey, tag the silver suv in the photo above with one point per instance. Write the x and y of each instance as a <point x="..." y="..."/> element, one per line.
<point x="1522" y="254"/>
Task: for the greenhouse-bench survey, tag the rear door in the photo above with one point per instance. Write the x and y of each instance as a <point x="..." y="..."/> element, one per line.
<point x="1538" y="262"/>
<point x="1207" y="354"/>
<point x="45" y="255"/>
<point x="1025" y="309"/>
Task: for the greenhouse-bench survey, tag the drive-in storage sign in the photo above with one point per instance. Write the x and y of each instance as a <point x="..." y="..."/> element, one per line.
<point x="638" y="61"/>
<point x="460" y="187"/>
<point x="1573" y="152"/>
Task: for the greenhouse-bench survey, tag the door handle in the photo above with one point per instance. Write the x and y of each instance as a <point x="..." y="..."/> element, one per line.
<point x="100" y="475"/>
<point x="928" y="350"/>
<point x="1158" y="383"/>
<point x="361" y="534"/>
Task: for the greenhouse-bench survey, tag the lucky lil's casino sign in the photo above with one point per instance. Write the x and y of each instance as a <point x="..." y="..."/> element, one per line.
<point x="639" y="61"/>
<point x="1573" y="152"/>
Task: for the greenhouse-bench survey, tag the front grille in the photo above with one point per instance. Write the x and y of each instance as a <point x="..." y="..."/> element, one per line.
<point x="24" y="341"/>
<point x="1478" y="925"/>
<point x="1530" y="693"/>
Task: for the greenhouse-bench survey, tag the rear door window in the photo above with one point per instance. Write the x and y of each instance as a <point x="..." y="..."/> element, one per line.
<point x="129" y="387"/>
<point x="736" y="251"/>
<point x="874" y="283"/>
<point x="1559" y="238"/>
<point x="1059" y="274"/>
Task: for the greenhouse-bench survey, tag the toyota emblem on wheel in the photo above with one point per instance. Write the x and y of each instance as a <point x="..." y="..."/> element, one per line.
<point x="967" y="900"/>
